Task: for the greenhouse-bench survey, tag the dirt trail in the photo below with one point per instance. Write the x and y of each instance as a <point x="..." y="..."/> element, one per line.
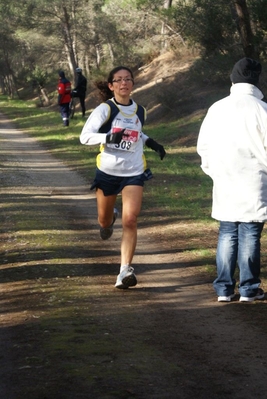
<point x="67" y="333"/>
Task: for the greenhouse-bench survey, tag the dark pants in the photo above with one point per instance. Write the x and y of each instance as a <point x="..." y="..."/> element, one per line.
<point x="82" y="102"/>
<point x="65" y="112"/>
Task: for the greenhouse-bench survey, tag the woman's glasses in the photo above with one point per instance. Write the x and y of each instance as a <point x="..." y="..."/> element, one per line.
<point x="126" y="80"/>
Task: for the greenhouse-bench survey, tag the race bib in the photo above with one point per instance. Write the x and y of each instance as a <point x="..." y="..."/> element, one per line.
<point x="129" y="142"/>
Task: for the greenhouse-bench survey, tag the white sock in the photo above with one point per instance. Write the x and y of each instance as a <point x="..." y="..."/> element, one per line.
<point x="124" y="267"/>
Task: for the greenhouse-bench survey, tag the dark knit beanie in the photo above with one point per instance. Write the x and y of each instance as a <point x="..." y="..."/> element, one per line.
<point x="246" y="70"/>
<point x="62" y="74"/>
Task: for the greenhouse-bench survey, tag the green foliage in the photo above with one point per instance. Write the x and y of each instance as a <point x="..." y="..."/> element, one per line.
<point x="258" y="12"/>
<point x="39" y="76"/>
<point x="149" y="5"/>
<point x="206" y="23"/>
<point x="51" y="34"/>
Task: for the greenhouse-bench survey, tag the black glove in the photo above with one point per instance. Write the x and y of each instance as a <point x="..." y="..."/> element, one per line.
<point x="115" y="138"/>
<point x="156" y="147"/>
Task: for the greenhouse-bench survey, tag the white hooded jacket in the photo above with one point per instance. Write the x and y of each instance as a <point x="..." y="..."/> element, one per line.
<point x="232" y="144"/>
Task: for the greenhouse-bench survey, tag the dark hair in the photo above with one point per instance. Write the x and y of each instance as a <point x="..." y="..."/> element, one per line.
<point x="104" y="92"/>
<point x="117" y="69"/>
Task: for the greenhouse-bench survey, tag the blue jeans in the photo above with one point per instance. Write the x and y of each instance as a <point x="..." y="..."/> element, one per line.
<point x="238" y="243"/>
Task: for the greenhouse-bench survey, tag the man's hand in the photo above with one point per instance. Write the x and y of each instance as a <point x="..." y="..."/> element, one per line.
<point x="115" y="138"/>
<point x="156" y="147"/>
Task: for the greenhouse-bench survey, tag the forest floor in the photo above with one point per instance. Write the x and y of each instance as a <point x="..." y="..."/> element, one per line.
<point x="67" y="333"/>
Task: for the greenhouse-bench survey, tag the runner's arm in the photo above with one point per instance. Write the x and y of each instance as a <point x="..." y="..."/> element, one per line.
<point x="150" y="143"/>
<point x="89" y="134"/>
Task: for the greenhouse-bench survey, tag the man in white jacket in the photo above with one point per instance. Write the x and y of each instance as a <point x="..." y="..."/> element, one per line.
<point x="232" y="144"/>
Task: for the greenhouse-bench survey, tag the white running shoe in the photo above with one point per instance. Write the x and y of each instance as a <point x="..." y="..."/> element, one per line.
<point x="106" y="232"/>
<point x="225" y="298"/>
<point x="259" y="295"/>
<point x="126" y="278"/>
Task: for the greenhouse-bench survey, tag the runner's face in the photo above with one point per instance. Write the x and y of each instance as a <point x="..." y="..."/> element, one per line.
<point x="122" y="84"/>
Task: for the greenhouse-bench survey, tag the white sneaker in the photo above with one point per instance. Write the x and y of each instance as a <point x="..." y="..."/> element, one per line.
<point x="259" y="295"/>
<point x="106" y="232"/>
<point x="225" y="298"/>
<point x="126" y="278"/>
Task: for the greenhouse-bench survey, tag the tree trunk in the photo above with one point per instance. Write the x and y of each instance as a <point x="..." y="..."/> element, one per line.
<point x="45" y="96"/>
<point x="167" y="4"/>
<point x="98" y="55"/>
<point x="244" y="28"/>
<point x="111" y="53"/>
<point x="9" y="78"/>
<point x="69" y="46"/>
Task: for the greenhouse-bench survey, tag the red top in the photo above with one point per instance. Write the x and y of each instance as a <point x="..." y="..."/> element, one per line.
<point x="64" y="91"/>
